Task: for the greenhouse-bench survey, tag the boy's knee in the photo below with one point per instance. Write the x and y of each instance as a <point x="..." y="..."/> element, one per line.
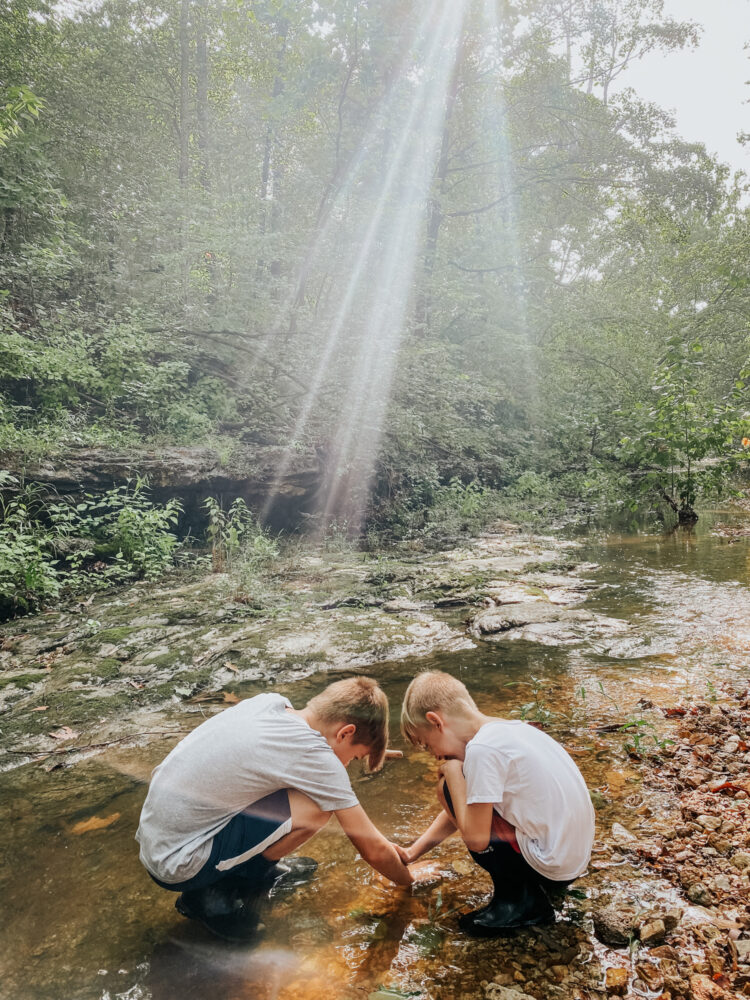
<point x="444" y="797"/>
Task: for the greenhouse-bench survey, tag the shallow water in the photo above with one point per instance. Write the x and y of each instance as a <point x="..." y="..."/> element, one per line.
<point x="80" y="919"/>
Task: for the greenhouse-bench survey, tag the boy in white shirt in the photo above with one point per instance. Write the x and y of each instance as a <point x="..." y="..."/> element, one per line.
<point x="252" y="784"/>
<point x="514" y="794"/>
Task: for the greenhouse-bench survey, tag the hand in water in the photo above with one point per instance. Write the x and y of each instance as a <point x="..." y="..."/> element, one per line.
<point x="393" y="754"/>
<point x="403" y="853"/>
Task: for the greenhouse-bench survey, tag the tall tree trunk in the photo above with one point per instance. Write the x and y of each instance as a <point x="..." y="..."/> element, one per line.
<point x="270" y="173"/>
<point x="184" y="39"/>
<point x="184" y="163"/>
<point x="201" y="90"/>
<point x="201" y="117"/>
<point x="423" y="307"/>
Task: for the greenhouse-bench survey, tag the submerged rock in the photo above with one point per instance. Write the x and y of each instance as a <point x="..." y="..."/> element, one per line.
<point x="494" y="991"/>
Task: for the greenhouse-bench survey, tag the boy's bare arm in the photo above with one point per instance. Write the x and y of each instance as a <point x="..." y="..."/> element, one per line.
<point x="441" y="827"/>
<point x="372" y="845"/>
<point x="474" y="822"/>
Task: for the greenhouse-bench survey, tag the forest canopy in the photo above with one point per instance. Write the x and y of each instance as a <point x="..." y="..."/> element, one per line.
<point x="441" y="246"/>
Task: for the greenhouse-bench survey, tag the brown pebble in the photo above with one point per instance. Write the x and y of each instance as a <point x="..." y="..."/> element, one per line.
<point x="664" y="951"/>
<point x="652" y="932"/>
<point x="616" y="981"/>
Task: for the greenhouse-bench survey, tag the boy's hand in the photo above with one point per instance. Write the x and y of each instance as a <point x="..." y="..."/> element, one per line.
<point x="403" y="853"/>
<point x="393" y="754"/>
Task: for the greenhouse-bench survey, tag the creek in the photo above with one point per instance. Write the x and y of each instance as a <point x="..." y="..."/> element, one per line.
<point x="81" y="919"/>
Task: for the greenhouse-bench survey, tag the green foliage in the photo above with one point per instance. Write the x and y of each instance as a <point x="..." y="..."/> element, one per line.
<point x="28" y="572"/>
<point x="176" y="244"/>
<point x="52" y="547"/>
<point x="238" y="543"/>
<point x="460" y="508"/>
<point x="70" y="382"/>
<point x="18" y="105"/>
<point x="684" y="444"/>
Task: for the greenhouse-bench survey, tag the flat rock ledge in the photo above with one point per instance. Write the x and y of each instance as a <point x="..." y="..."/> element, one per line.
<point x="541" y="621"/>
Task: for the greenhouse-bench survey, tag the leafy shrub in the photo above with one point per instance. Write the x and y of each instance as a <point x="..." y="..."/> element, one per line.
<point x="684" y="444"/>
<point x="460" y="508"/>
<point x="236" y="538"/>
<point x="50" y="546"/>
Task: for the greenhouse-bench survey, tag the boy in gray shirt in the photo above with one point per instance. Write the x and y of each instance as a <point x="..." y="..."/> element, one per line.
<point x="252" y="784"/>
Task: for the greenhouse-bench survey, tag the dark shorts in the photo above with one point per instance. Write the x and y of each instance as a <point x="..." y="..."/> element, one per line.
<point x="237" y="849"/>
<point x="512" y="861"/>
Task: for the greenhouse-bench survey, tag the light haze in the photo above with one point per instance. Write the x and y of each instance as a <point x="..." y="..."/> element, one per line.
<point x="706" y="88"/>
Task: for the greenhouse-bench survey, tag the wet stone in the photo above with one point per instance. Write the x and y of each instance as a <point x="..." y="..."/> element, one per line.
<point x="652" y="932"/>
<point x="616" y="981"/>
<point x="650" y="975"/>
<point x="559" y="972"/>
<point x="709" y="822"/>
<point x="700" y="894"/>
<point x="616" y="922"/>
<point x="495" y="991"/>
<point x="623" y="838"/>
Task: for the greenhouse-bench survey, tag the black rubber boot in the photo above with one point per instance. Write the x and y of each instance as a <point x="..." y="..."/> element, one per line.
<point x="517" y="900"/>
<point x="230" y="909"/>
<point x="233" y="907"/>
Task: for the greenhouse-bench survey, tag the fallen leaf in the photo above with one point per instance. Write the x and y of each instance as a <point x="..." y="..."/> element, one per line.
<point x="672" y="713"/>
<point x="729" y="786"/>
<point x="616" y="780"/>
<point x="63" y="733"/>
<point x="136" y="684"/>
<point x="231" y="666"/>
<point x="40" y="708"/>
<point x="227" y="697"/>
<point x="94" y="823"/>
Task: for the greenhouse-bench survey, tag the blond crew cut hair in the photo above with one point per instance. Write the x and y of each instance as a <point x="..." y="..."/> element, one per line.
<point x="359" y="701"/>
<point x="432" y="691"/>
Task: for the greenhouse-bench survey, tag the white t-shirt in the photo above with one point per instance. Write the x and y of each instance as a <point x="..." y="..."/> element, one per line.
<point x="230" y="761"/>
<point x="534" y="784"/>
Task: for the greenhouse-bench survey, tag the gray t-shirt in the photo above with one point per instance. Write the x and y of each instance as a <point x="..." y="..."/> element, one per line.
<point x="227" y="763"/>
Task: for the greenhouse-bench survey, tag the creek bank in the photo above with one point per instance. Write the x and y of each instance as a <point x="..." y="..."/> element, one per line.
<point x="667" y="908"/>
<point x="125" y="663"/>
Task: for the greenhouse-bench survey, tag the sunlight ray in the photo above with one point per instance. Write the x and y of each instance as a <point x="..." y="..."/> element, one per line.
<point x="384" y="265"/>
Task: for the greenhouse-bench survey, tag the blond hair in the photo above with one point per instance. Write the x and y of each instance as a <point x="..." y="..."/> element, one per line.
<point x="432" y="691"/>
<point x="361" y="702"/>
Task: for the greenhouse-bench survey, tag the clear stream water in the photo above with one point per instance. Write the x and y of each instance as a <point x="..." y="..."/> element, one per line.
<point x="81" y="919"/>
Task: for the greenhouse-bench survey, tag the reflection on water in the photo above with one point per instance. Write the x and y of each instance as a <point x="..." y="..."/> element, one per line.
<point x="80" y="919"/>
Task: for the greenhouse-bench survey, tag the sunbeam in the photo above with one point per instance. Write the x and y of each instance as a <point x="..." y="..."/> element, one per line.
<point x="381" y="276"/>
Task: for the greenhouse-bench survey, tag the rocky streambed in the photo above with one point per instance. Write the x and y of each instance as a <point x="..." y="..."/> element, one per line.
<point x="99" y="670"/>
<point x="630" y="650"/>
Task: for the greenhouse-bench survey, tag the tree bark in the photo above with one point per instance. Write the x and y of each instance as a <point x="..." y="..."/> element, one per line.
<point x="184" y="40"/>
